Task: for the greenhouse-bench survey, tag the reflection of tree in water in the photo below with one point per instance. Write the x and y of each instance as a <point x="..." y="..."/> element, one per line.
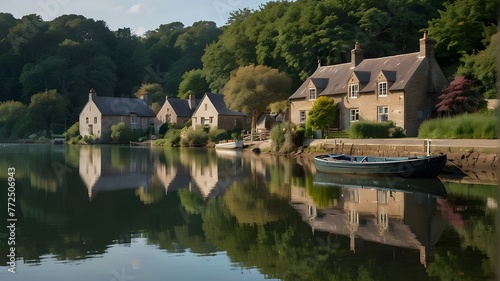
<point x="253" y="204"/>
<point x="470" y="249"/>
<point x="192" y="201"/>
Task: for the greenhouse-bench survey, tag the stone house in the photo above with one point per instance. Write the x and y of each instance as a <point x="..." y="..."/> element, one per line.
<point x="177" y="111"/>
<point x="100" y="113"/>
<point x="212" y="111"/>
<point x="402" y="88"/>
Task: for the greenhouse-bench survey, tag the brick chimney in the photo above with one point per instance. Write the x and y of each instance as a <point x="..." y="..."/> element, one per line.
<point x="92" y="94"/>
<point x="426" y="47"/>
<point x="356" y="55"/>
<point x="192" y="101"/>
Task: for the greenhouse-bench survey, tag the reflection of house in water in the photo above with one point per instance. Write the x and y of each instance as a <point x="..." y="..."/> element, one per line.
<point x="214" y="178"/>
<point x="389" y="217"/>
<point x="114" y="168"/>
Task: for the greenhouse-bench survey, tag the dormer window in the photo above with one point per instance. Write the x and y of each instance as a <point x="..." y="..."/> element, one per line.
<point x="382" y="89"/>
<point x="312" y="93"/>
<point x="353" y="90"/>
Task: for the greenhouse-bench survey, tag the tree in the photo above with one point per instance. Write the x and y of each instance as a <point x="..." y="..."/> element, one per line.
<point x="482" y="68"/>
<point x="322" y="114"/>
<point x="252" y="88"/>
<point x="10" y="113"/>
<point x="459" y="98"/>
<point x="120" y="133"/>
<point x="193" y="82"/>
<point x="47" y="108"/>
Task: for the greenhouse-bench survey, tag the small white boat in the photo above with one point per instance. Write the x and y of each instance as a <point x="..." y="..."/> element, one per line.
<point x="237" y="144"/>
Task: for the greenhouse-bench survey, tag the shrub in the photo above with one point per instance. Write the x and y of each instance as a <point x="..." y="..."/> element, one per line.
<point x="370" y="129"/>
<point x="196" y="137"/>
<point x="120" y="133"/>
<point x="171" y="138"/>
<point x="88" y="139"/>
<point x="217" y="135"/>
<point x="282" y="136"/>
<point x="236" y="133"/>
<point x="72" y="131"/>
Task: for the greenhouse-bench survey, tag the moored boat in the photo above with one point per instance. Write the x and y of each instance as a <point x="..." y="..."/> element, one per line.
<point x="415" y="166"/>
<point x="234" y="144"/>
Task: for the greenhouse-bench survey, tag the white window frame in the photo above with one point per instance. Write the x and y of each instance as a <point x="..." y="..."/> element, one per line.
<point x="353" y="90"/>
<point x="312" y="93"/>
<point x="302" y="116"/>
<point x="382" y="89"/>
<point x="133" y="119"/>
<point x="354" y="115"/>
<point x="381" y="112"/>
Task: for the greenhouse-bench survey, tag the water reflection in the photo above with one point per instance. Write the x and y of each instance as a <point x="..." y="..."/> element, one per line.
<point x="386" y="210"/>
<point x="269" y="215"/>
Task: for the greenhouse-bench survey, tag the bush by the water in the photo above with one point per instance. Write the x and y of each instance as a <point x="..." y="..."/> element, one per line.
<point x="282" y="137"/>
<point x="370" y="129"/>
<point x="193" y="137"/>
<point x="172" y="138"/>
<point x="482" y="125"/>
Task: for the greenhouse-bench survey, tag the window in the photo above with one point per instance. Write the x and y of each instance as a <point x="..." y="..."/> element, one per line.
<point x="95" y="120"/>
<point x="354" y="115"/>
<point x="302" y="116"/>
<point x="383" y="196"/>
<point x="382" y="89"/>
<point x="144" y="122"/>
<point x="353" y="90"/>
<point x="202" y="120"/>
<point x="211" y="120"/>
<point x="168" y="109"/>
<point x="86" y="120"/>
<point x="383" y="113"/>
<point x="167" y="118"/>
<point x="312" y="94"/>
<point x="206" y="106"/>
<point x="133" y="119"/>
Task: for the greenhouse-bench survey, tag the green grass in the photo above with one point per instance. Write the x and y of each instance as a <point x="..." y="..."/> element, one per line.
<point x="466" y="126"/>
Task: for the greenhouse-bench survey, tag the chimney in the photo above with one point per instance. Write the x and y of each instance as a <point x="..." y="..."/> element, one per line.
<point x="356" y="55"/>
<point x="92" y="94"/>
<point x="148" y="98"/>
<point x="191" y="101"/>
<point x="426" y="47"/>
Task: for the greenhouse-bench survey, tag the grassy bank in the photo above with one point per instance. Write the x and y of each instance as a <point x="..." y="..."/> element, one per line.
<point x="466" y="126"/>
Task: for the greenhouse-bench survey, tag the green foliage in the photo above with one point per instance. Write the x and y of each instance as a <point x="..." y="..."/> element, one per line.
<point x="193" y="137"/>
<point x="322" y="114"/>
<point x="88" y="139"/>
<point x="370" y="129"/>
<point x="46" y="108"/>
<point x="154" y="89"/>
<point x="252" y="88"/>
<point x="483" y="125"/>
<point x="193" y="82"/>
<point x="11" y="115"/>
<point x="120" y="133"/>
<point x="216" y="135"/>
<point x="282" y="137"/>
<point x="73" y="131"/>
<point x="172" y="138"/>
<point x="481" y="67"/>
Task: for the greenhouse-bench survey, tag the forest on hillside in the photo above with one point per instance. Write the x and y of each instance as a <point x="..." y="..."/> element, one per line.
<point x="72" y="54"/>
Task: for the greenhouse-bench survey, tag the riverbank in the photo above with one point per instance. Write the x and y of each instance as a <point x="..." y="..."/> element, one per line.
<point x="468" y="160"/>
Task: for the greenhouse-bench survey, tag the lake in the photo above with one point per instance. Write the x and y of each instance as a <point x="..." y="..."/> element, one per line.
<point x="138" y="213"/>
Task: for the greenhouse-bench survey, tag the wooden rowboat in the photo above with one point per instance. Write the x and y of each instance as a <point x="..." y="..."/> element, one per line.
<point x="416" y="166"/>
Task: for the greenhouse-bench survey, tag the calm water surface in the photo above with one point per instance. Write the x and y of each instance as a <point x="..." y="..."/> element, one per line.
<point x="134" y="213"/>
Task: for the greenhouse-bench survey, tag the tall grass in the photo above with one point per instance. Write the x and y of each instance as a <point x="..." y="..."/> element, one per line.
<point x="482" y="125"/>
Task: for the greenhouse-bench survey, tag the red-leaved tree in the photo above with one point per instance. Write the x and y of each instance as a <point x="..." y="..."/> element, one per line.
<point x="457" y="97"/>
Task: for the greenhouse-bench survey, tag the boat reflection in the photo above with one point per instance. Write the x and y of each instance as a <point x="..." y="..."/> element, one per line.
<point x="386" y="210"/>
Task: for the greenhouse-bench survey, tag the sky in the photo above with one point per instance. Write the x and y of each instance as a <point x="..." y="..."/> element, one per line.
<point x="139" y="15"/>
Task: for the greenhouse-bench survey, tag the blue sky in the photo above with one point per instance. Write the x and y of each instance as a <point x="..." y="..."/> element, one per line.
<point x="139" y="15"/>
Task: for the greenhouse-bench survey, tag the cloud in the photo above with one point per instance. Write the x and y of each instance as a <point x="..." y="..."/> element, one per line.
<point x="137" y="9"/>
<point x="140" y="31"/>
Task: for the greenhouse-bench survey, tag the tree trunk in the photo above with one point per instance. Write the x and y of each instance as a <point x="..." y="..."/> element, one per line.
<point x="254" y="123"/>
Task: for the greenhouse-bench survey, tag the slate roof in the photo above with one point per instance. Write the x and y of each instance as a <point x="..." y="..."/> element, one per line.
<point x="181" y="107"/>
<point x="399" y="69"/>
<point x="112" y="106"/>
<point x="218" y="101"/>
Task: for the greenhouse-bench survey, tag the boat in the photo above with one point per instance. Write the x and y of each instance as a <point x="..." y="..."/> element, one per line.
<point x="432" y="187"/>
<point x="414" y="166"/>
<point x="231" y="144"/>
